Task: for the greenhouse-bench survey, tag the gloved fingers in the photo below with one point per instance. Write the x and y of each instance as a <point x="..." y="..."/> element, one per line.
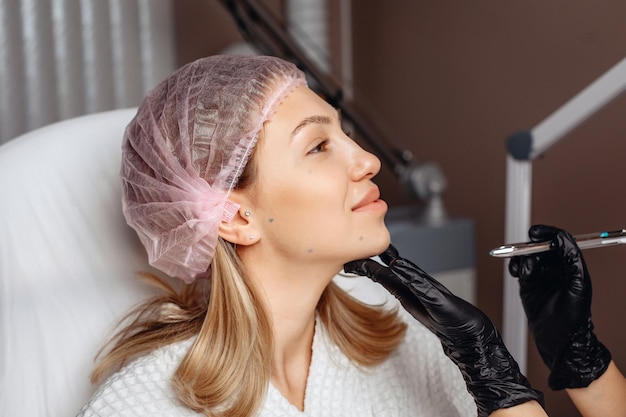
<point x="523" y="267"/>
<point x="564" y="256"/>
<point x="389" y="255"/>
<point x="566" y="245"/>
<point x="572" y="264"/>
<point x="441" y="304"/>
<point x="412" y="274"/>
<point x="418" y="279"/>
<point x="514" y="266"/>
<point x="542" y="232"/>
<point x="400" y="286"/>
<point x="367" y="268"/>
<point x="397" y="286"/>
<point x="561" y="239"/>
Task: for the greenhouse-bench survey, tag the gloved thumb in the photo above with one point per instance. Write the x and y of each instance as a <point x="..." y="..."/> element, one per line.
<point x="366" y="267"/>
<point x="522" y="266"/>
<point x="542" y="232"/>
<point x="390" y="255"/>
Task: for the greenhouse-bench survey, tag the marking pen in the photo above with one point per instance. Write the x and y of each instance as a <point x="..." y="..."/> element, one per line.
<point x="586" y="241"/>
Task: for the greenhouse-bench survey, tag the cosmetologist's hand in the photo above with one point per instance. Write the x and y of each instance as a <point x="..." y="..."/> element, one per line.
<point x="555" y="288"/>
<point x="469" y="338"/>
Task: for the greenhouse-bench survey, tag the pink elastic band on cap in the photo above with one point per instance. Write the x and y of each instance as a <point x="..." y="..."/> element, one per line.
<point x="230" y="209"/>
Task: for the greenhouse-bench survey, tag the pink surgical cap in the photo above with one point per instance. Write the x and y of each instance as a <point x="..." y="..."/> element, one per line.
<point x="186" y="148"/>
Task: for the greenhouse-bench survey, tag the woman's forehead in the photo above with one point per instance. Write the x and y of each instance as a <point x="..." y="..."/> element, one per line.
<point x="300" y="108"/>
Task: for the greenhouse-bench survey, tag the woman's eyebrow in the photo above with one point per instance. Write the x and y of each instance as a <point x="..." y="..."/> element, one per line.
<point x="317" y="119"/>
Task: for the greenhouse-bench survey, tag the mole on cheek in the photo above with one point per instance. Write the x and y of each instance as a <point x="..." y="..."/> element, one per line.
<point x="271" y="220"/>
<point x="360" y="237"/>
<point x="309" y="251"/>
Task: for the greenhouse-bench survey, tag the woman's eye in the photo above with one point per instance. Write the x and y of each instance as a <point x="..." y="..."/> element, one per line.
<point x="320" y="147"/>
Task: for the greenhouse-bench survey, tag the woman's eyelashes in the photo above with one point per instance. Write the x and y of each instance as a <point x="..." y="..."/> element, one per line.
<point x="320" y="147"/>
<point x="324" y="142"/>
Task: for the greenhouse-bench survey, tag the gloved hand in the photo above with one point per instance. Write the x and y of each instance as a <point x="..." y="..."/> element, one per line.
<point x="555" y="288"/>
<point x="467" y="335"/>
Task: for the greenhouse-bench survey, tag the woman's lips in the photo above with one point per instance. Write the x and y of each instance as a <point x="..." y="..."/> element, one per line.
<point x="376" y="205"/>
<point x="371" y="202"/>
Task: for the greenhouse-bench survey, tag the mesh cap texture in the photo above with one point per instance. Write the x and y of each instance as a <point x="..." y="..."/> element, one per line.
<point x="185" y="149"/>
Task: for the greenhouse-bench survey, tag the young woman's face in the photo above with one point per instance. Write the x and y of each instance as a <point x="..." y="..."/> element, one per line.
<point x="314" y="194"/>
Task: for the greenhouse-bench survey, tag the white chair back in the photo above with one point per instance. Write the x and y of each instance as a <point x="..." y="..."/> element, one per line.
<point x="68" y="261"/>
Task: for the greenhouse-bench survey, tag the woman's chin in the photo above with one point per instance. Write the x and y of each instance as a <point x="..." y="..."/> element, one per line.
<point x="379" y="246"/>
<point x="385" y="241"/>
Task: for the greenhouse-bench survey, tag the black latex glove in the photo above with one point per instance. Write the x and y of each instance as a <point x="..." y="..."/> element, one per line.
<point x="555" y="288"/>
<point x="467" y="335"/>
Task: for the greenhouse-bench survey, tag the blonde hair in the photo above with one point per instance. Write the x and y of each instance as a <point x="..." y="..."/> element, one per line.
<point x="233" y="319"/>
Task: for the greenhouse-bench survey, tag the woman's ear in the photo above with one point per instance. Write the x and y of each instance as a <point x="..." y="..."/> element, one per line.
<point x="241" y="230"/>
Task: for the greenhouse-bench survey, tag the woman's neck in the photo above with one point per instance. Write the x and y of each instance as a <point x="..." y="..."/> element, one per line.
<point x="292" y="308"/>
<point x="291" y="293"/>
<point x="291" y="359"/>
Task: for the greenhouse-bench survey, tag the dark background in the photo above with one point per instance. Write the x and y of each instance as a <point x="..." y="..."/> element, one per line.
<point x="453" y="80"/>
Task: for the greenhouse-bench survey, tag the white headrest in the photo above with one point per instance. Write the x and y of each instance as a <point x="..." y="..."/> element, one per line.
<point x="68" y="261"/>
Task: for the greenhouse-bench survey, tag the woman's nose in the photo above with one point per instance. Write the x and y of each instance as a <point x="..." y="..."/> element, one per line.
<point x="365" y="165"/>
